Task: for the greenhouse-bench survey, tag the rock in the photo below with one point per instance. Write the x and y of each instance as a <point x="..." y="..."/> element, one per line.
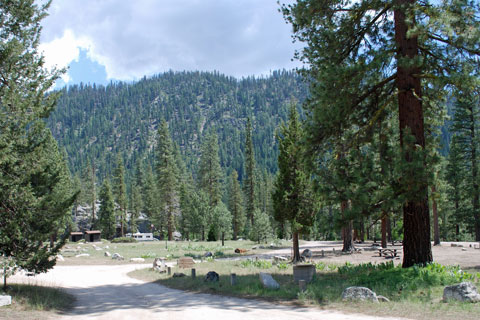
<point x="254" y="248"/>
<point x="82" y="255"/>
<point x="261" y="247"/>
<point x="5" y="301"/>
<point x="98" y="249"/>
<point x="268" y="282"/>
<point x="60" y="257"/>
<point x="107" y="247"/>
<point x="464" y="291"/>
<point x="178" y="275"/>
<point x="159" y="263"/>
<point x="107" y="254"/>
<point x="117" y="256"/>
<point x="464" y="249"/>
<point x="137" y="260"/>
<point x="238" y="250"/>
<point x="160" y="269"/>
<point x="359" y="294"/>
<point x="177" y="236"/>
<point x="212" y="276"/>
<point x="208" y="254"/>
<point x="307" y="253"/>
<point x="383" y="299"/>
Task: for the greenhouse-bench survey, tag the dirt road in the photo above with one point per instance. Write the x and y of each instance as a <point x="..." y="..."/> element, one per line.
<point x="106" y="292"/>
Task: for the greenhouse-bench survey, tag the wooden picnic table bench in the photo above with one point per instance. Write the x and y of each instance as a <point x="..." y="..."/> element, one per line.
<point x="388" y="253"/>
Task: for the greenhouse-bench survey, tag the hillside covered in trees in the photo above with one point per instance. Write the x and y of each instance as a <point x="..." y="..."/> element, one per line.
<point x="96" y="123"/>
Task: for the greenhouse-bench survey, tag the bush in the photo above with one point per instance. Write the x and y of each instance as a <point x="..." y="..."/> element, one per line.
<point x="261" y="264"/>
<point x="124" y="240"/>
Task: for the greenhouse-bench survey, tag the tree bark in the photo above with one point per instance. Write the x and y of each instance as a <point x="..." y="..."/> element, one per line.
<point x="416" y="218"/>
<point x="384" y="230"/>
<point x="347" y="237"/>
<point x="436" y="228"/>
<point x="296" y="247"/>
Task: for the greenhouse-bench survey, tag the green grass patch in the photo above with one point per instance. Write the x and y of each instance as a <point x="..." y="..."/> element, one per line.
<point x="124" y="240"/>
<point x="38" y="298"/>
<point x="414" y="292"/>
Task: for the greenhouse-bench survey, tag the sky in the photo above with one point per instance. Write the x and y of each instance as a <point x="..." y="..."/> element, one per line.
<point x="109" y="40"/>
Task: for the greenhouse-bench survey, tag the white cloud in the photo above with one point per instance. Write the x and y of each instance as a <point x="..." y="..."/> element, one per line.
<point x="144" y="37"/>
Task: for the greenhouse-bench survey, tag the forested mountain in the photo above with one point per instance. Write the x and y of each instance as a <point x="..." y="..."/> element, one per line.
<point x="96" y="123"/>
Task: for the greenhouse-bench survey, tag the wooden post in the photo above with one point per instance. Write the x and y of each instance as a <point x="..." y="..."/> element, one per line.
<point x="169" y="270"/>
<point x="194" y="275"/>
<point x="233" y="279"/>
<point x="302" y="284"/>
<point x="323" y="253"/>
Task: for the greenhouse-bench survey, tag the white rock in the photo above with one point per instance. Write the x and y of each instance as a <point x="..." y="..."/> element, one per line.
<point x="60" y="257"/>
<point x="464" y="291"/>
<point x="82" y="255"/>
<point x="117" y="256"/>
<point x="5" y="301"/>
<point x="137" y="260"/>
<point x="107" y="254"/>
<point x="359" y="294"/>
<point x="268" y="281"/>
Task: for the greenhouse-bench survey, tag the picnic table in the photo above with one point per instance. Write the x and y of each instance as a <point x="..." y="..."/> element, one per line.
<point x="388" y="253"/>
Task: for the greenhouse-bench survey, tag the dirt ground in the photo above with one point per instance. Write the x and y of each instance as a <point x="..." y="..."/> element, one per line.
<point x="464" y="254"/>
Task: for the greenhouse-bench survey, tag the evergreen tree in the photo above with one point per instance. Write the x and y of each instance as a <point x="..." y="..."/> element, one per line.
<point x="249" y="181"/>
<point x="167" y="173"/>
<point x="292" y="197"/>
<point x="210" y="172"/>
<point x="36" y="193"/>
<point x="350" y="57"/>
<point x="465" y="130"/>
<point x="262" y="229"/>
<point x="222" y="221"/>
<point x="120" y="192"/>
<point x="235" y="204"/>
<point x="106" y="213"/>
<point x="150" y="199"/>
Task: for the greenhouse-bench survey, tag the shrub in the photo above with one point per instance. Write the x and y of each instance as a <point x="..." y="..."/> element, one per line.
<point x="124" y="240"/>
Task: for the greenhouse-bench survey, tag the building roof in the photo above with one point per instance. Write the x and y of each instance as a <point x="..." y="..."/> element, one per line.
<point x="93" y="232"/>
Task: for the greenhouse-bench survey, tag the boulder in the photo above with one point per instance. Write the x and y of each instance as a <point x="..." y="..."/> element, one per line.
<point x="107" y="254"/>
<point x="307" y="253"/>
<point x="212" y="276"/>
<point x="268" y="282"/>
<point x="280" y="259"/>
<point x="82" y="255"/>
<point x="177" y="236"/>
<point x="5" y="301"/>
<point x="208" y="254"/>
<point x="464" y="291"/>
<point x="137" y="260"/>
<point x="238" y="250"/>
<point x="60" y="257"/>
<point x="359" y="294"/>
<point x="159" y="263"/>
<point x="117" y="256"/>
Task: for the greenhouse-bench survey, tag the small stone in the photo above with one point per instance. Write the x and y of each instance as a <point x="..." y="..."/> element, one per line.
<point x="268" y="282"/>
<point x="117" y="256"/>
<point x="464" y="291"/>
<point x="98" y="249"/>
<point x="60" y="257"/>
<point x="359" y="294"/>
<point x="208" y="254"/>
<point x="107" y="254"/>
<point x="107" y="247"/>
<point x="238" y="250"/>
<point x="464" y="249"/>
<point x="383" y="299"/>
<point x="179" y="275"/>
<point x="82" y="255"/>
<point x="137" y="260"/>
<point x="280" y="258"/>
<point x="212" y="276"/>
<point x="5" y="301"/>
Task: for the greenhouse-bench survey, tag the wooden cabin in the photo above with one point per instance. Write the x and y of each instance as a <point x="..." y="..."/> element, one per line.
<point x="92" y="236"/>
<point x="76" y="236"/>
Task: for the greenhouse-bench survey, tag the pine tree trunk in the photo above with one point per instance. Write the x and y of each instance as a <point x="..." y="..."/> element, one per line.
<point x="362" y="230"/>
<point x="296" y="247"/>
<point x="347" y="237"/>
<point x="389" y="230"/>
<point x="170" y="226"/>
<point x="223" y="239"/>
<point x="384" y="230"/>
<point x="416" y="218"/>
<point x="436" y="228"/>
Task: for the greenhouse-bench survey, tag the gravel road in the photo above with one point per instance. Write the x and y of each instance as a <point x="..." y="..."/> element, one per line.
<point x="106" y="292"/>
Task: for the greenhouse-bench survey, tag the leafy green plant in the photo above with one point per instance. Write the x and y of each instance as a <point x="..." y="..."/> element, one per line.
<point x="282" y="265"/>
<point x="124" y="240"/>
<point x="148" y="255"/>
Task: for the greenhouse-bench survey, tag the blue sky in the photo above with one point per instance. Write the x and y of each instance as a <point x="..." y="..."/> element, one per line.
<point x="109" y="40"/>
